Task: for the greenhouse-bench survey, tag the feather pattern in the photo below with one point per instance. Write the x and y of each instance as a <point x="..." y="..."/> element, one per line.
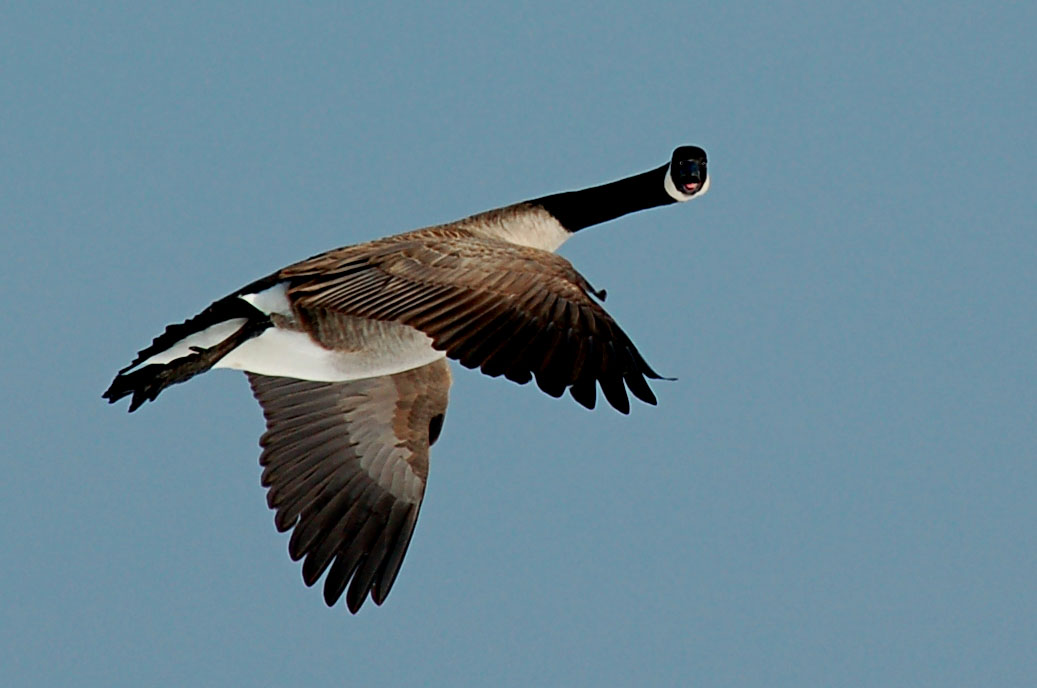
<point x="504" y="308"/>
<point x="345" y="352"/>
<point x="346" y="465"/>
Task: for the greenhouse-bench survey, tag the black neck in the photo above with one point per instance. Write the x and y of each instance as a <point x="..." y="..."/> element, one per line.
<point x="578" y="209"/>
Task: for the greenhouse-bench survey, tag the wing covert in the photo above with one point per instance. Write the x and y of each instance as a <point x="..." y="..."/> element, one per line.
<point x="506" y="309"/>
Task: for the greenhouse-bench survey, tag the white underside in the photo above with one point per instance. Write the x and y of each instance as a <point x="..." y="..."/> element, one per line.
<point x="390" y="348"/>
<point x="374" y="348"/>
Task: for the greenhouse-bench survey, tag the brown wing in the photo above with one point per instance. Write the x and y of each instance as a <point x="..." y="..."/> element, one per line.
<point x="506" y="309"/>
<point x="346" y="464"/>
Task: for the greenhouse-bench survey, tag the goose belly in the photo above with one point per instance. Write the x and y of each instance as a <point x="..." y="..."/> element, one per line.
<point x="360" y="348"/>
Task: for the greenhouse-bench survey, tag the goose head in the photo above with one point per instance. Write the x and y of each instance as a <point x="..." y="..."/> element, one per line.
<point x="687" y="176"/>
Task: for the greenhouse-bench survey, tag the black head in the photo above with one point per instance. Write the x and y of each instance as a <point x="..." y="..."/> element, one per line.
<point x="687" y="176"/>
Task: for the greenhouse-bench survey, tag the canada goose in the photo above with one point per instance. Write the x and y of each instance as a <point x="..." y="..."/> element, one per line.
<point x="345" y="352"/>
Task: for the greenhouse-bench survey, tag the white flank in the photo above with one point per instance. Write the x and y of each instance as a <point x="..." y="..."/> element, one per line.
<point x="381" y="349"/>
<point x="272" y="300"/>
<point x="210" y="336"/>
<point x="678" y="195"/>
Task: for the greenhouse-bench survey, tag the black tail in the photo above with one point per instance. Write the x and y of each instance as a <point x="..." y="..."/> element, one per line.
<point x="146" y="383"/>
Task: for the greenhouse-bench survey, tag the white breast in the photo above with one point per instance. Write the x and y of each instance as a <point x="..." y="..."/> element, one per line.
<point x="520" y="224"/>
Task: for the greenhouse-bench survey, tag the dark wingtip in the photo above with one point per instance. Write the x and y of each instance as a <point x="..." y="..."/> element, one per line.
<point x="354" y="601"/>
<point x="331" y="596"/>
<point x="549" y="386"/>
<point x="584" y="392"/>
<point x="616" y="394"/>
<point x="646" y="369"/>
<point x="640" y="389"/>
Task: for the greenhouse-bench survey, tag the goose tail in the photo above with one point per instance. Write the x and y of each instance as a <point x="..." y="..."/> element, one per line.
<point x="187" y="349"/>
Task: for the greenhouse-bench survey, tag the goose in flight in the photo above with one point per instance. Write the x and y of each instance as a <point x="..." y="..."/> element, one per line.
<point x="346" y="353"/>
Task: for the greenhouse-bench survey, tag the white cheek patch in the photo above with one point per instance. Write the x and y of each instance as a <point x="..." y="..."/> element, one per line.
<point x="678" y="195"/>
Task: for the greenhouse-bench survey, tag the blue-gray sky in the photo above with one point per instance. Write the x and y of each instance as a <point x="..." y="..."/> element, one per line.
<point x="839" y="490"/>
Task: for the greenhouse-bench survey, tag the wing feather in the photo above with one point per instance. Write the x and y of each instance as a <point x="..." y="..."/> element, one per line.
<point x="506" y="309"/>
<point x="346" y="465"/>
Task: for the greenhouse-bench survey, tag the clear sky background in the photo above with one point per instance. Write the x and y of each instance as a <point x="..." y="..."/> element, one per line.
<point x="838" y="491"/>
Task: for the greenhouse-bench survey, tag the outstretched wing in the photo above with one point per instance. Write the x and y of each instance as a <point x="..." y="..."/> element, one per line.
<point x="346" y="465"/>
<point x="506" y="309"/>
